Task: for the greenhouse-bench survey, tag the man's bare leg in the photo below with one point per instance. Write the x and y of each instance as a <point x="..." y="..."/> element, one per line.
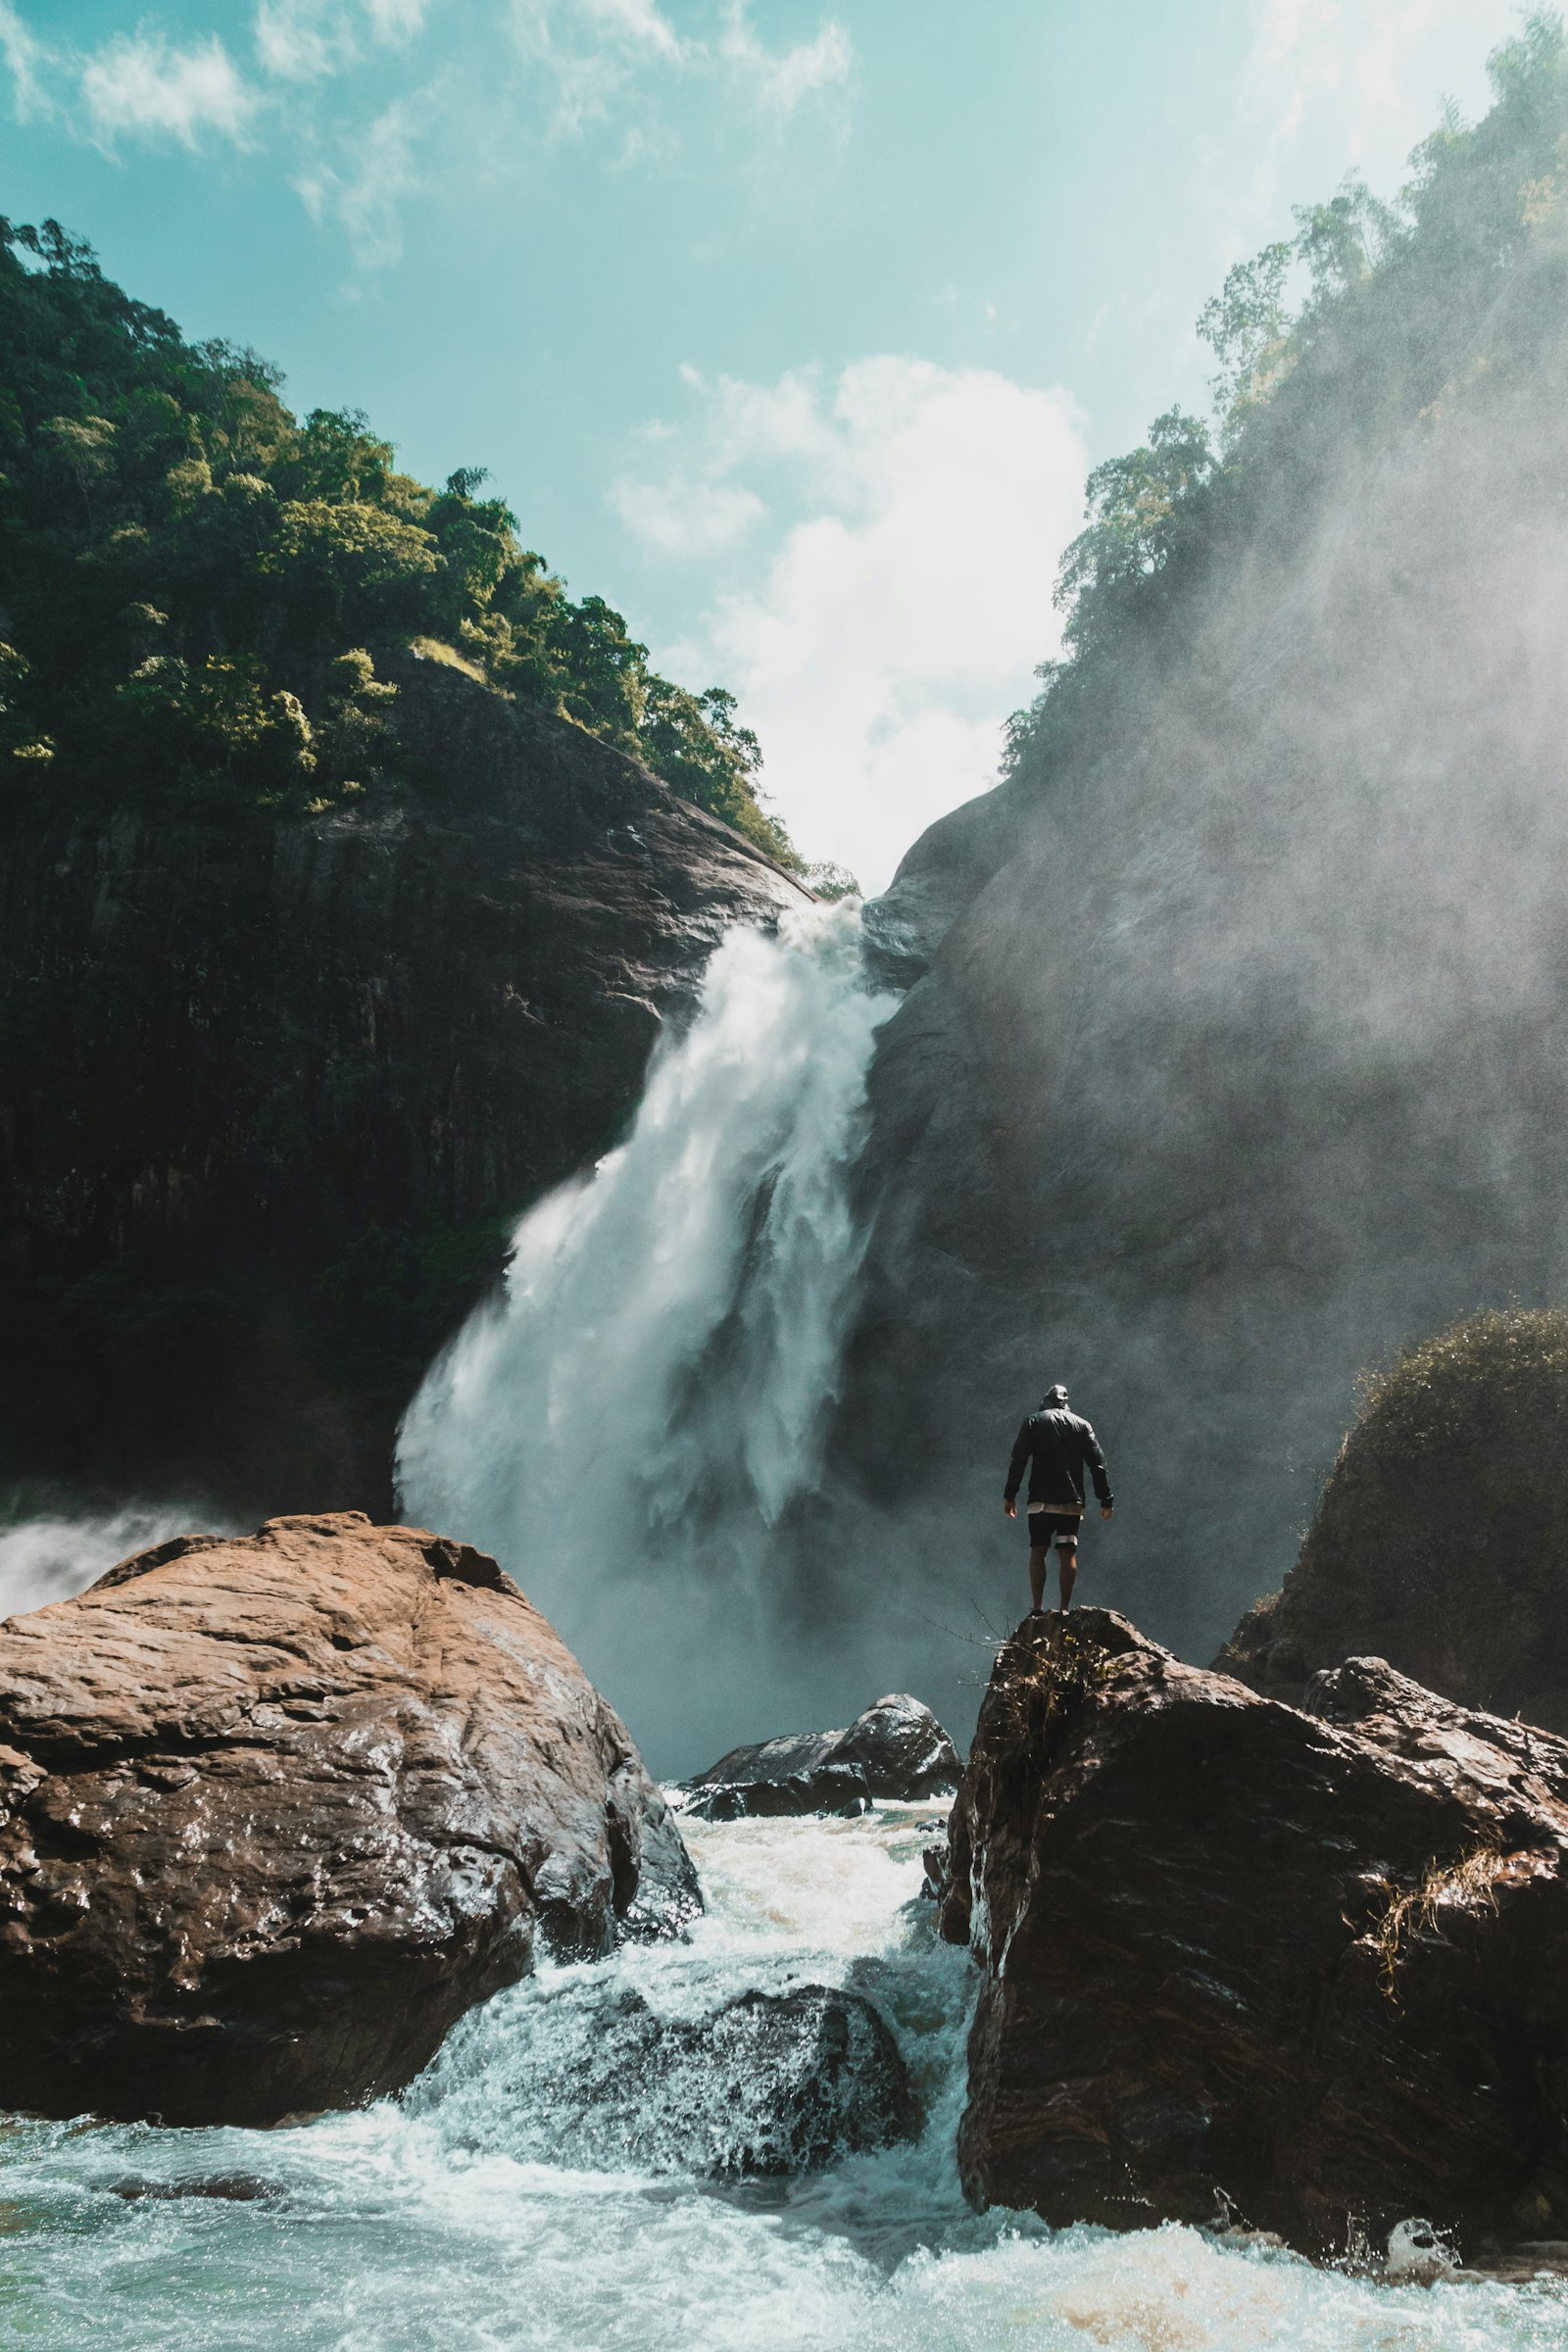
<point x="1039" y="1554"/>
<point x="1067" y="1563"/>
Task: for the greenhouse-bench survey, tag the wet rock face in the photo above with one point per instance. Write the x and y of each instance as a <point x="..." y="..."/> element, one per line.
<point x="1312" y="1963"/>
<point x="896" y="1749"/>
<point x="275" y="1811"/>
<point x="274" y="1088"/>
<point x="770" y="2084"/>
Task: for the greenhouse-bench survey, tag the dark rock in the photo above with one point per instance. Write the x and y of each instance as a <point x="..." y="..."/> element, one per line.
<point x="276" y="1088"/>
<point x="275" y="1812"/>
<point x="831" y="1787"/>
<point x="896" y="1749"/>
<point x="770" y="2083"/>
<point x="228" y="2189"/>
<point x="1314" y="1964"/>
<point x="1441" y="1538"/>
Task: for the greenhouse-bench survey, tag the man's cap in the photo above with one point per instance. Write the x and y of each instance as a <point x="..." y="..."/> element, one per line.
<point x="1056" y="1395"/>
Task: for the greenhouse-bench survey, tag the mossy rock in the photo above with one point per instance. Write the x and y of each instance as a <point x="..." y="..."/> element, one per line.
<point x="1440" y="1540"/>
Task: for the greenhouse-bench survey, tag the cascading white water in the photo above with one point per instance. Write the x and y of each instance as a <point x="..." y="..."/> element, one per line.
<point x="624" y="1426"/>
<point x="476" y="2215"/>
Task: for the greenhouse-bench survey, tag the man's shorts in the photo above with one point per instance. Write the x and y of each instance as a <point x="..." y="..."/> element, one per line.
<point x="1046" y="1527"/>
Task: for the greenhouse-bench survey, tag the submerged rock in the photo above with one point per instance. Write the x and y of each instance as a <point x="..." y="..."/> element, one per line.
<point x="1313" y="1966"/>
<point x="770" y="2084"/>
<point x="275" y="1811"/>
<point x="896" y="1749"/>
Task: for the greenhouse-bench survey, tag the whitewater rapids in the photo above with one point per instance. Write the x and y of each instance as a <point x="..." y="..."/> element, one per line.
<point x="453" y="2221"/>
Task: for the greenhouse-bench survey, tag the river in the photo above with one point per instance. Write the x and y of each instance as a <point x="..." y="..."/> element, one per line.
<point x="483" y="2212"/>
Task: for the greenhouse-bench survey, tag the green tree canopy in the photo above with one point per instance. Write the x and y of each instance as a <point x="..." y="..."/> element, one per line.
<point x="196" y="586"/>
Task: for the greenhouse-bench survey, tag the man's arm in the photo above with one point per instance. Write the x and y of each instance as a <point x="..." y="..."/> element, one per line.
<point x="1097" y="1470"/>
<point x="1015" y="1468"/>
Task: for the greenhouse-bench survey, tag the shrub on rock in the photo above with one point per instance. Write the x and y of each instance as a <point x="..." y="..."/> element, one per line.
<point x="1441" y="1541"/>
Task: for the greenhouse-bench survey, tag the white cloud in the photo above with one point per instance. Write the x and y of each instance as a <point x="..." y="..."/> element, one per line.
<point x="299" y="39"/>
<point x="637" y="24"/>
<point x="367" y="197"/>
<point x="395" y="20"/>
<point x="1378" y="67"/>
<point x="139" y="84"/>
<point x="900" y="617"/>
<point x="23" y="55"/>
<point x="596" y="51"/>
<point x="686" y="518"/>
<point x="780" y="80"/>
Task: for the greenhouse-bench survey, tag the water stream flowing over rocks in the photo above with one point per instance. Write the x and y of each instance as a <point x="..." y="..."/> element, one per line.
<point x="470" y="2218"/>
<point x="624" y="1426"/>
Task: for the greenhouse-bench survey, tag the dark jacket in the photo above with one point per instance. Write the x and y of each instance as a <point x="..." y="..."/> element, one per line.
<point x="1057" y="1445"/>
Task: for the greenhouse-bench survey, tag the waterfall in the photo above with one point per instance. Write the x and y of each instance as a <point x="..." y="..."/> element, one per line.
<point x="625" y="1426"/>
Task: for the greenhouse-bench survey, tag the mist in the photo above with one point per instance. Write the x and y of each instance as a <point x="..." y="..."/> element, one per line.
<point x="1243" y="1060"/>
<point x="53" y="1550"/>
<point x="1232" y="1055"/>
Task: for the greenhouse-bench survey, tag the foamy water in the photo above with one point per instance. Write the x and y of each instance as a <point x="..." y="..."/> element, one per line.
<point x="52" y="1554"/>
<point x="464" y="2219"/>
<point x="624" y="1426"/>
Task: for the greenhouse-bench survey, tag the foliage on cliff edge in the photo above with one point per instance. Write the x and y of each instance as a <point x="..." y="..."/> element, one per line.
<point x="1441" y="1539"/>
<point x="197" y="588"/>
<point x="1371" y="322"/>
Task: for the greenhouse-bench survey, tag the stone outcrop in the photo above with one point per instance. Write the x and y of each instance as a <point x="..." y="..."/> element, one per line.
<point x="1441" y="1538"/>
<point x="276" y="1088"/>
<point x="770" y="2083"/>
<point x="1310" y="1963"/>
<point x="896" y="1749"/>
<point x="275" y="1811"/>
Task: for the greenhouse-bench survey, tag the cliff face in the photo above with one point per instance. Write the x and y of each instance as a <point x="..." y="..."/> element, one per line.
<point x="274" y="1088"/>
<point x="1238" y="1056"/>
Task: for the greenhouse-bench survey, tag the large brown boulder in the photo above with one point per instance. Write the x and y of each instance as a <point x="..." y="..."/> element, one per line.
<point x="1311" y="1967"/>
<point x="1441" y="1539"/>
<point x="275" y="1811"/>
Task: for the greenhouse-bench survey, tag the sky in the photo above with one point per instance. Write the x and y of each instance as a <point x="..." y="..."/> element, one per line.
<point x="792" y="329"/>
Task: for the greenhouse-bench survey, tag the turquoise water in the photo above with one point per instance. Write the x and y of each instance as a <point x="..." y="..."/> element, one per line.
<point x="466" y="2217"/>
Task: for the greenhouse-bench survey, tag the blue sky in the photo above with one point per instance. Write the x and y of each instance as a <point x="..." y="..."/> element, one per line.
<point x="790" y="328"/>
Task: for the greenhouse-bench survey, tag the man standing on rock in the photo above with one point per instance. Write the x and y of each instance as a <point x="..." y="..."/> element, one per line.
<point x="1057" y="1445"/>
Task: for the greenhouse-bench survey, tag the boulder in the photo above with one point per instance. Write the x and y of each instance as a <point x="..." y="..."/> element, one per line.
<point x="1441" y="1538"/>
<point x="275" y="1811"/>
<point x="896" y="1749"/>
<point x="1311" y="1966"/>
<point x="770" y="2083"/>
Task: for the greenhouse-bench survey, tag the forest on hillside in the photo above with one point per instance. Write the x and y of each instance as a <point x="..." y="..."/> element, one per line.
<point x="1371" y="322"/>
<point x="199" y="590"/>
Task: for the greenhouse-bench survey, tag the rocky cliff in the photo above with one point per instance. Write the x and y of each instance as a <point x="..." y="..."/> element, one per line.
<point x="1441" y="1539"/>
<point x="274" y="1087"/>
<point x="1234" y="1052"/>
